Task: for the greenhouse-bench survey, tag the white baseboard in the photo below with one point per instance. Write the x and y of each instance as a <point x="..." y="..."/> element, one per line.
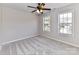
<point x="18" y="39"/>
<point x="68" y="43"/>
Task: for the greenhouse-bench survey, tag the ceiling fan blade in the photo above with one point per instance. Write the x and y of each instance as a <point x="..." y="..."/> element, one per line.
<point x="39" y="3"/>
<point x="31" y="6"/>
<point x="46" y="9"/>
<point x="33" y="11"/>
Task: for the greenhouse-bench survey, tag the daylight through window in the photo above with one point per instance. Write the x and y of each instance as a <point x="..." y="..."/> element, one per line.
<point x="46" y="23"/>
<point x="65" y="23"/>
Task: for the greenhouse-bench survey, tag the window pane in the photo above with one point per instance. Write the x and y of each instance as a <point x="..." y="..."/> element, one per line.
<point x="65" y="15"/>
<point x="46" y="22"/>
<point x="70" y="14"/>
<point x="61" y="16"/>
<point x="70" y="20"/>
<point x="65" y="20"/>
<point x="65" y="29"/>
<point x="61" y="30"/>
<point x="61" y="20"/>
<point x="47" y="28"/>
<point x="70" y="28"/>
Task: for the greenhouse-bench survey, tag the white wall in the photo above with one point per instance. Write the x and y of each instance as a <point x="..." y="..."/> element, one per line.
<point x="17" y="24"/>
<point x="0" y="24"/>
<point x="70" y="39"/>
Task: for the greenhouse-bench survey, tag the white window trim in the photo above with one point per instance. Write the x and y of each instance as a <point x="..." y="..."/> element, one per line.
<point x="65" y="11"/>
<point x="46" y="14"/>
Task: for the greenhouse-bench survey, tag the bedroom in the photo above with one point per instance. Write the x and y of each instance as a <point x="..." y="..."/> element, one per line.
<point x="53" y="32"/>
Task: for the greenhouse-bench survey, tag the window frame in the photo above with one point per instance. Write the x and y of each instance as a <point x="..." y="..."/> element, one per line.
<point x="63" y="12"/>
<point x="45" y="15"/>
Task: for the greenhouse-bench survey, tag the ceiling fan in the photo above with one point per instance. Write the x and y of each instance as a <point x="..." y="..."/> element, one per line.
<point x="40" y="8"/>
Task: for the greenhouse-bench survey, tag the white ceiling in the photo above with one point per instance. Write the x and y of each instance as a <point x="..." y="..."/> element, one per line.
<point x="23" y="6"/>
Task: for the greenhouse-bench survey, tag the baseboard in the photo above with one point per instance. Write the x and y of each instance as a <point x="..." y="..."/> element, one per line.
<point x="68" y="43"/>
<point x="19" y="39"/>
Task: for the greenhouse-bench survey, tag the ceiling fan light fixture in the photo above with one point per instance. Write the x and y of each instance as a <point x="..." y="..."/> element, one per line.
<point x="41" y="10"/>
<point x="38" y="11"/>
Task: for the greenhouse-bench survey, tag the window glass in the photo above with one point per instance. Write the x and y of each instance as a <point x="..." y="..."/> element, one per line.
<point x="46" y="23"/>
<point x="65" y="23"/>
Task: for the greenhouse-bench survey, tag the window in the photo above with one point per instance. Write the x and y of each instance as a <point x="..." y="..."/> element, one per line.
<point x="65" y="23"/>
<point x="46" y="23"/>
